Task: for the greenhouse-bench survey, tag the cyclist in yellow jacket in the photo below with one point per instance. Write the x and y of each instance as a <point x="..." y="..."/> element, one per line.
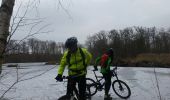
<point x="77" y="60"/>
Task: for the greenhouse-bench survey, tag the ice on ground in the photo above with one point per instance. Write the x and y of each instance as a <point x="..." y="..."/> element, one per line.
<point x="39" y="84"/>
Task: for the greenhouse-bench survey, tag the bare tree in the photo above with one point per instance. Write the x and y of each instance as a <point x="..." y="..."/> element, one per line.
<point x="7" y="31"/>
<point x="115" y="42"/>
<point x="6" y="10"/>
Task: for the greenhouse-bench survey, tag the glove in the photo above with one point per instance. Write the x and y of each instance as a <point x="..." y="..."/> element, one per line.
<point x="59" y="78"/>
<point x="95" y="68"/>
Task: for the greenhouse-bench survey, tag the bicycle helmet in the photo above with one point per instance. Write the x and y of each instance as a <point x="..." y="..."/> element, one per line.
<point x="71" y="42"/>
<point x="110" y="52"/>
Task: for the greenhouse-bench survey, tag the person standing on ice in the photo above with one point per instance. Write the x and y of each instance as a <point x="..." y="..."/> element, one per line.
<point x="105" y="61"/>
<point x="77" y="60"/>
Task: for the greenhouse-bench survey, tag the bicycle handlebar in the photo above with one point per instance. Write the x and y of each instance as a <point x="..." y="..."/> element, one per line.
<point x="66" y="77"/>
<point x="114" y="69"/>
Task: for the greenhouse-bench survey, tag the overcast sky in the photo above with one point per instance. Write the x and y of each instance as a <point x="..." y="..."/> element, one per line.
<point x="86" y="17"/>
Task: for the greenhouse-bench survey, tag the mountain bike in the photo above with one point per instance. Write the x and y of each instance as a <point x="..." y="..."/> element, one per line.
<point x="75" y="92"/>
<point x="120" y="88"/>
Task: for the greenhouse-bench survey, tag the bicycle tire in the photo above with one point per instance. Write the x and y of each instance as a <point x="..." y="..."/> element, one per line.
<point x="64" y="97"/>
<point x="121" y="88"/>
<point x="91" y="87"/>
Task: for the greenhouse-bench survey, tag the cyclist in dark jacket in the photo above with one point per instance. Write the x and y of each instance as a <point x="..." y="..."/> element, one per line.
<point x="105" y="61"/>
<point x="77" y="60"/>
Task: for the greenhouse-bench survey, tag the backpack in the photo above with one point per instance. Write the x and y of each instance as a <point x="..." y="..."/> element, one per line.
<point x="103" y="61"/>
<point x="82" y="55"/>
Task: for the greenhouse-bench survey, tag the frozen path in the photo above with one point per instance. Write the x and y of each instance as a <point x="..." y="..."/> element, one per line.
<point x="142" y="81"/>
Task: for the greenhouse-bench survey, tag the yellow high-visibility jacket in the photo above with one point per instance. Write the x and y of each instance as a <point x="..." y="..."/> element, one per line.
<point x="76" y="63"/>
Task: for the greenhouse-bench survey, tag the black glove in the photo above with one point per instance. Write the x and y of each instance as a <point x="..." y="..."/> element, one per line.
<point x="59" y="78"/>
<point x="95" y="68"/>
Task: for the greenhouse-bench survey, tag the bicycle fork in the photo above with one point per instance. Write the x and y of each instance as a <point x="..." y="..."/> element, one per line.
<point x="120" y="86"/>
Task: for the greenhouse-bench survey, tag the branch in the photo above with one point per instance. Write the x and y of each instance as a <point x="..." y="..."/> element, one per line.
<point x="21" y="19"/>
<point x="18" y="80"/>
<point x="157" y="84"/>
<point x="8" y="90"/>
<point x="30" y="35"/>
<point x="65" y="10"/>
<point x="37" y="75"/>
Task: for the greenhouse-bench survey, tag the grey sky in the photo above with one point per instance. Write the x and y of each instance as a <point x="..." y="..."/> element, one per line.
<point x="91" y="16"/>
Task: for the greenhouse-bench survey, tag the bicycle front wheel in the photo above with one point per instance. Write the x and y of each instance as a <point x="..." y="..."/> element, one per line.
<point x="91" y="87"/>
<point x="121" y="89"/>
<point x="64" y="97"/>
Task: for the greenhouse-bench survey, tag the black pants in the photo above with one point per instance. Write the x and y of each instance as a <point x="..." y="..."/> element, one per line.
<point x="107" y="78"/>
<point x="81" y="80"/>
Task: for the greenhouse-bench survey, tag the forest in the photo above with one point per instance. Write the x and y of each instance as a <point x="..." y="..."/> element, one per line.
<point x="133" y="46"/>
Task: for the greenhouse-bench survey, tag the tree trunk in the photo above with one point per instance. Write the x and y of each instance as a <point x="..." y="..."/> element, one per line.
<point x="6" y="10"/>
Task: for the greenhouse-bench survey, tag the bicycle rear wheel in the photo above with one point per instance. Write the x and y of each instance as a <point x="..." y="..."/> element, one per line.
<point x="121" y="89"/>
<point x="91" y="87"/>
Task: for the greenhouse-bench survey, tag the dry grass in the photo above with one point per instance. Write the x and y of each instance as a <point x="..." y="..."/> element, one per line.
<point x="150" y="59"/>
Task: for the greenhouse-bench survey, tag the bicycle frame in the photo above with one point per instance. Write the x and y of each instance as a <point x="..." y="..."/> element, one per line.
<point x="98" y="81"/>
<point x="120" y="88"/>
<point x="114" y="73"/>
<point x="75" y="92"/>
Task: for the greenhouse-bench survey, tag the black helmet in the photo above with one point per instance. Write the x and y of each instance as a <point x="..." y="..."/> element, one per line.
<point x="70" y="42"/>
<point x="110" y="52"/>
